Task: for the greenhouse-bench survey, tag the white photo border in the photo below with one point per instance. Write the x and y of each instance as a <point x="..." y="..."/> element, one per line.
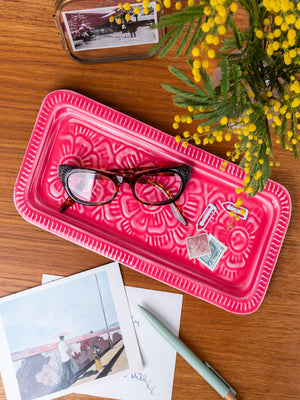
<point x="131" y="346"/>
<point x="152" y="39"/>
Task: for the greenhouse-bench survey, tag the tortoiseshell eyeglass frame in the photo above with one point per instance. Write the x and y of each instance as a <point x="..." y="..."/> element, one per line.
<point x="124" y="176"/>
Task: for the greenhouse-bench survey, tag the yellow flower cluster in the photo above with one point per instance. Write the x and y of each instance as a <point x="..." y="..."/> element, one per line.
<point x="281" y="33"/>
<point x="200" y="131"/>
<point x="213" y="27"/>
<point x="284" y="112"/>
<point x="275" y="6"/>
<point x="252" y="147"/>
<point x="204" y="133"/>
<point x="281" y="29"/>
<point x="127" y="10"/>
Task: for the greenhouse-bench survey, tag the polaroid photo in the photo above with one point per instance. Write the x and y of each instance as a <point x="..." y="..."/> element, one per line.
<point x="197" y="245"/>
<point x="217" y="249"/>
<point x="91" y="29"/>
<point x="68" y="333"/>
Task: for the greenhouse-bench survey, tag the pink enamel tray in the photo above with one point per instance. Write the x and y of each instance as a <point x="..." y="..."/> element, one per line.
<point x="72" y="129"/>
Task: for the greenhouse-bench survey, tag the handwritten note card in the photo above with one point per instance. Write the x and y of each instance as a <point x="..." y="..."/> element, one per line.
<point x="155" y="381"/>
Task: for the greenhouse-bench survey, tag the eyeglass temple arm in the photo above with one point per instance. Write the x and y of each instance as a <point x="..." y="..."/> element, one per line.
<point x="178" y="214"/>
<point x="66" y="204"/>
<point x="69" y="202"/>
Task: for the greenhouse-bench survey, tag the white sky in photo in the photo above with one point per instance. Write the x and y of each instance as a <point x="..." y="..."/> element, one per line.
<point x="72" y="309"/>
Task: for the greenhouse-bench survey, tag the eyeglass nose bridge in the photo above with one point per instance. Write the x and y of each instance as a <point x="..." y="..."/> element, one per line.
<point x="121" y="178"/>
<point x="124" y="178"/>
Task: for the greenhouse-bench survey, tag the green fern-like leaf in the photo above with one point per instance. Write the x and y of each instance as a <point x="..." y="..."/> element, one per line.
<point x="184" y="102"/>
<point x="208" y="84"/>
<point x="224" y="78"/>
<point x="196" y="37"/>
<point x="265" y="167"/>
<point x="237" y="35"/>
<point x="180" y="75"/>
<point x="229" y="44"/>
<point x="185" y="39"/>
<point x="185" y="95"/>
<point x="162" y="41"/>
<point x="184" y="16"/>
<point x="180" y="22"/>
<point x="263" y="56"/>
<point x="283" y="133"/>
<point x="236" y="73"/>
<point x="176" y="33"/>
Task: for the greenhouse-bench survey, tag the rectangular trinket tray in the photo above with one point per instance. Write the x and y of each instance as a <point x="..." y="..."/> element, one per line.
<point x="72" y="129"/>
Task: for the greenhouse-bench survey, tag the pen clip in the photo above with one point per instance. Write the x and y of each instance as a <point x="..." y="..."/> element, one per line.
<point x="225" y="383"/>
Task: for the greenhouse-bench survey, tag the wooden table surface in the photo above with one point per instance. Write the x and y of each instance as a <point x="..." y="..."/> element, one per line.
<point x="257" y="353"/>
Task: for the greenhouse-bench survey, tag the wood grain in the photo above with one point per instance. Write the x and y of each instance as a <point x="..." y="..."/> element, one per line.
<point x="258" y="353"/>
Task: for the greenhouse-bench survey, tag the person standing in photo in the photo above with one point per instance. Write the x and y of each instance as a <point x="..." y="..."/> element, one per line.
<point x="67" y="375"/>
<point x="97" y="358"/>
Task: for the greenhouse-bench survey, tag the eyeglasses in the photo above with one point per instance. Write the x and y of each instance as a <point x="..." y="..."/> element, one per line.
<point x="150" y="186"/>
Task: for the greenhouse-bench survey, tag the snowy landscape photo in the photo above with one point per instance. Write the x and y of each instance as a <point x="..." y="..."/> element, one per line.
<point x="92" y="29"/>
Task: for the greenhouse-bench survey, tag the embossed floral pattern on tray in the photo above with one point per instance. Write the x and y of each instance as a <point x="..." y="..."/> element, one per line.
<point x="72" y="129"/>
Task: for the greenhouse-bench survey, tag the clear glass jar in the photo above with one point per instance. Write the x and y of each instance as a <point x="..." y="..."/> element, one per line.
<point x="94" y="31"/>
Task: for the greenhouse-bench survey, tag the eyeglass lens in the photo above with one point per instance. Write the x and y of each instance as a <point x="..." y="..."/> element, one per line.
<point x="91" y="187"/>
<point x="157" y="188"/>
<point x="154" y="188"/>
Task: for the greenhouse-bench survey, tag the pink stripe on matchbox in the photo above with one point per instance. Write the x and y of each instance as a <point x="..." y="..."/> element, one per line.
<point x="72" y="129"/>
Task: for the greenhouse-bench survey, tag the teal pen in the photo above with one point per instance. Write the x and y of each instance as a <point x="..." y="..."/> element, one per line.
<point x="204" y="369"/>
